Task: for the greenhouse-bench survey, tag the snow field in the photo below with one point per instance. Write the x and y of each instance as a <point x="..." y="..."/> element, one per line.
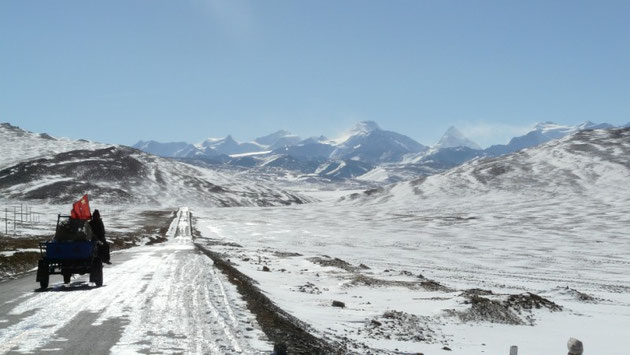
<point x="509" y="243"/>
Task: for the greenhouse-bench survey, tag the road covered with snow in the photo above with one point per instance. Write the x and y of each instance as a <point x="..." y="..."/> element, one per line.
<point x="161" y="298"/>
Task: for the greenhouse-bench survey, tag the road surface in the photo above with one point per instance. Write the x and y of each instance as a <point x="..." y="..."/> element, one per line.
<point x="155" y="299"/>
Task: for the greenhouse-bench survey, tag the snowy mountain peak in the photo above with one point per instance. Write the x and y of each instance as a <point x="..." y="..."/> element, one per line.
<point x="278" y="139"/>
<point x="454" y="138"/>
<point x="8" y="128"/>
<point x="544" y="125"/>
<point x="362" y="128"/>
<point x="586" y="125"/>
<point x="228" y="146"/>
<point x="209" y="142"/>
<point x="366" y="126"/>
<point x="229" y="138"/>
<point x="368" y="143"/>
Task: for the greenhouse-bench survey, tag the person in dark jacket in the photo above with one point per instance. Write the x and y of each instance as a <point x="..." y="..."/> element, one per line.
<point x="98" y="230"/>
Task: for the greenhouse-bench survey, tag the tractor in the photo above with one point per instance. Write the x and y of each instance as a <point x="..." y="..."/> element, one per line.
<point x="73" y="250"/>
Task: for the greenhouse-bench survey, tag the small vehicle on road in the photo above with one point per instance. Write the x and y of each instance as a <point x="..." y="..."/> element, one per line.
<point x="71" y="251"/>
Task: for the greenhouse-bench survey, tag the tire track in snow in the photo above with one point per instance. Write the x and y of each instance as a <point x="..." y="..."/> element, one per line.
<point x="195" y="300"/>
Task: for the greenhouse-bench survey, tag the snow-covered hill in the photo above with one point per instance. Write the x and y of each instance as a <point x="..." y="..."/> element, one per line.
<point x="454" y="148"/>
<point x="19" y="145"/>
<point x="59" y="170"/>
<point x="596" y="162"/>
<point x="542" y="133"/>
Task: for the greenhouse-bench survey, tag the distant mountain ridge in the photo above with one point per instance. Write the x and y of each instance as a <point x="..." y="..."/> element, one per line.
<point x="366" y="142"/>
<point x="399" y="156"/>
<point x="364" y="156"/>
<point x="213" y="147"/>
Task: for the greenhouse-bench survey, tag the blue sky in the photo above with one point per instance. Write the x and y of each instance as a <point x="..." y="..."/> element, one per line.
<point x="121" y="71"/>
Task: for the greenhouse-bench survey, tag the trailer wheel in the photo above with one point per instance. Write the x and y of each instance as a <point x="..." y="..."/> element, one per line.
<point x="67" y="278"/>
<point x="42" y="274"/>
<point x="96" y="275"/>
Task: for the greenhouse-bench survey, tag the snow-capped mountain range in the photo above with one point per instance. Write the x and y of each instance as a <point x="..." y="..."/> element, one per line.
<point x="360" y="150"/>
<point x="213" y="147"/>
<point x="366" y="142"/>
<point x="40" y="167"/>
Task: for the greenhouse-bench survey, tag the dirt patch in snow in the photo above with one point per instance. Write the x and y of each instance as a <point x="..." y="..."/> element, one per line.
<point x="401" y="326"/>
<point x="579" y="296"/>
<point x="422" y="284"/>
<point x="150" y="229"/>
<point x="14" y="261"/>
<point x="515" y="309"/>
<point x="211" y="242"/>
<point x="17" y="263"/>
<point x="326" y="260"/>
<point x="309" y="287"/>
<point x="285" y="254"/>
<point x="154" y="225"/>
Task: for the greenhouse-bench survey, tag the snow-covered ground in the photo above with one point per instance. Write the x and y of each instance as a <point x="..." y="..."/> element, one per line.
<point x="570" y="253"/>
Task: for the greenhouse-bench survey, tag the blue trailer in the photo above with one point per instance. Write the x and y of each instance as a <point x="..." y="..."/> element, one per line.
<point x="70" y="252"/>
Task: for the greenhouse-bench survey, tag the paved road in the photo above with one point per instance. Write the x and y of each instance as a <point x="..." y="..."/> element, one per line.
<point x="161" y="298"/>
